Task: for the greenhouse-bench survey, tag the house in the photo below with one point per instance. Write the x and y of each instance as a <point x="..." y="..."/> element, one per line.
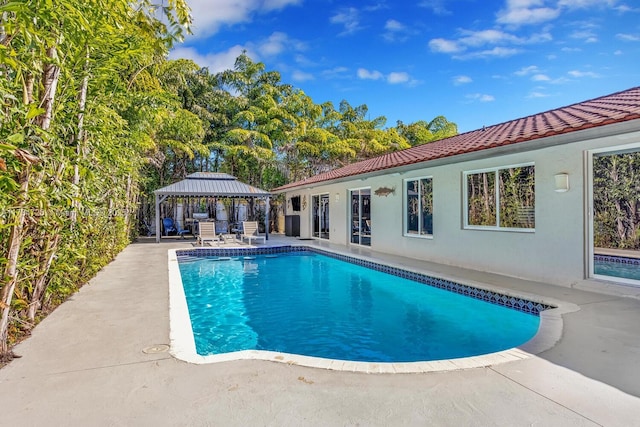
<point x="516" y="198"/>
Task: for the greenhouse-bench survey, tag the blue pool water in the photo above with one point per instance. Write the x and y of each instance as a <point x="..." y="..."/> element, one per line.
<point x="625" y="268"/>
<point x="310" y="304"/>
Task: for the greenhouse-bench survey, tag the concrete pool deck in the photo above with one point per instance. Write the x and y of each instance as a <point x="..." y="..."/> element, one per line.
<point x="101" y="359"/>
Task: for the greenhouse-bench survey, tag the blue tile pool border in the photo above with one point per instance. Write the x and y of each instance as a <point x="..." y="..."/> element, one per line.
<point x="492" y="297"/>
<point x="617" y="259"/>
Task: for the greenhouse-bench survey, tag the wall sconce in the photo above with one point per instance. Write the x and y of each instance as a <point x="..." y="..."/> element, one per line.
<point x="561" y="182"/>
<point x="337" y="197"/>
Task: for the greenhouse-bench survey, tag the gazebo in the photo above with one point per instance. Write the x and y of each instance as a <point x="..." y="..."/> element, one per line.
<point x="210" y="184"/>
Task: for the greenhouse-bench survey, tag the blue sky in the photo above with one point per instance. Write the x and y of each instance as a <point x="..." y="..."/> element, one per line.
<point x="477" y="62"/>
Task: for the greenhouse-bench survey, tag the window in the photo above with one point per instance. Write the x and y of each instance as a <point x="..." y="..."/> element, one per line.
<point x="361" y="216"/>
<point x="320" y="215"/>
<point x="419" y="207"/>
<point x="501" y="198"/>
<point x="295" y="203"/>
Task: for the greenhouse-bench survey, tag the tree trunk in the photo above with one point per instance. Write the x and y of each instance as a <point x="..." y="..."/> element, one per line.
<point x="28" y="89"/>
<point x="50" y="77"/>
<point x="486" y="217"/>
<point x="129" y="202"/>
<point x="38" y="290"/>
<point x="79" y="139"/>
<point x="10" y="276"/>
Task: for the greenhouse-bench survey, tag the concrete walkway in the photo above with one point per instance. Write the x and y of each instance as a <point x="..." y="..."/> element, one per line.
<point x="99" y="359"/>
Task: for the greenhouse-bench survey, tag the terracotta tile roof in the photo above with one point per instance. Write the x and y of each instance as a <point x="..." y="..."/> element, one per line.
<point x="609" y="109"/>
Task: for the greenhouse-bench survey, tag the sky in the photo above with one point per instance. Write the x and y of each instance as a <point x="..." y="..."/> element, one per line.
<point x="475" y="62"/>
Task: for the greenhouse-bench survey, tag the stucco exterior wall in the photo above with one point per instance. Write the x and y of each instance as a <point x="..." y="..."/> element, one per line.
<point x="556" y="252"/>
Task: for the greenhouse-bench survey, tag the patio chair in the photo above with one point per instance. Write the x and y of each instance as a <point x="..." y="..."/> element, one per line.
<point x="250" y="231"/>
<point x="170" y="227"/>
<point x="207" y="233"/>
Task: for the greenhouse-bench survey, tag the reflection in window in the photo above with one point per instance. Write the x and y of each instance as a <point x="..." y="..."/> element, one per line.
<point x="361" y="216"/>
<point x="512" y="205"/>
<point x="419" y="207"/>
<point x="320" y="212"/>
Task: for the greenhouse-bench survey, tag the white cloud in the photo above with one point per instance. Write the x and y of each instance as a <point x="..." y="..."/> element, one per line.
<point x="393" y="25"/>
<point x="394" y="77"/>
<point x="623" y="8"/>
<point x="476" y="39"/>
<point x="301" y="76"/>
<point x="461" y="80"/>
<point x="526" y="12"/>
<point x="349" y="18"/>
<point x="277" y="43"/>
<point x="210" y="15"/>
<point x="398" y="77"/>
<point x="278" y="4"/>
<point x="481" y="38"/>
<point x="534" y="72"/>
<point x="445" y="46"/>
<point x="436" y="6"/>
<point x="215" y="62"/>
<point x="587" y="35"/>
<point x="628" y="37"/>
<point x="537" y="94"/>
<point x="496" y="52"/>
<point x="365" y="74"/>
<point x="303" y="61"/>
<point x="481" y="97"/>
<point x="540" y="78"/>
<point x="336" y="73"/>
<point x="582" y="4"/>
<point x="524" y="71"/>
<point x="396" y="31"/>
<point x="578" y="74"/>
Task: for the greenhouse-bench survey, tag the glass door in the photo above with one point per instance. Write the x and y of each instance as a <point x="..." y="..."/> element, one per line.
<point x="361" y="216"/>
<point x="615" y="215"/>
<point x="320" y="213"/>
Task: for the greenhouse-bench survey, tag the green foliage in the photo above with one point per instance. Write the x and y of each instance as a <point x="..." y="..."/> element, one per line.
<point x="71" y="146"/>
<point x="616" y="201"/>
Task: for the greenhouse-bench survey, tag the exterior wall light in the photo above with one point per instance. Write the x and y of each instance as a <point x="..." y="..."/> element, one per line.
<point x="337" y="197"/>
<point x="561" y="182"/>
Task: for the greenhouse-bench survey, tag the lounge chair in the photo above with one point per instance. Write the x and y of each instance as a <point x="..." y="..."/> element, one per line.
<point x="207" y="233"/>
<point x="250" y="231"/>
<point x="170" y="227"/>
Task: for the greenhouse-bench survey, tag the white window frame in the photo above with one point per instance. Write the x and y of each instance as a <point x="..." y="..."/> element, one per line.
<point x="405" y="225"/>
<point x="465" y="193"/>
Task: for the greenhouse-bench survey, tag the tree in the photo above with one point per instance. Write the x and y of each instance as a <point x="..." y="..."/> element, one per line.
<point x="65" y="69"/>
<point x="422" y="132"/>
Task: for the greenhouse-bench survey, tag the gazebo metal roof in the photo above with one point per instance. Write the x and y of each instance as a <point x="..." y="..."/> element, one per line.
<point x="211" y="184"/>
<point x="208" y="184"/>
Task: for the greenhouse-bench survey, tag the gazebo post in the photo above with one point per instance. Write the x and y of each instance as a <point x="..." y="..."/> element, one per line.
<point x="158" y="201"/>
<point x="266" y="219"/>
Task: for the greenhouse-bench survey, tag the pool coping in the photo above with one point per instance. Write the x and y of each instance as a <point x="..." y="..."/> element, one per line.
<point x="182" y="342"/>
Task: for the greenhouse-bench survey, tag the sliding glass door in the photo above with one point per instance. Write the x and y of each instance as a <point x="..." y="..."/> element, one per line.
<point x="320" y="213"/>
<point x="614" y="226"/>
<point x="361" y="216"/>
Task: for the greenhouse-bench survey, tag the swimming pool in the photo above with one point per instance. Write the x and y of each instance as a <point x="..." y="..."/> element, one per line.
<point x="616" y="266"/>
<point x="372" y="316"/>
